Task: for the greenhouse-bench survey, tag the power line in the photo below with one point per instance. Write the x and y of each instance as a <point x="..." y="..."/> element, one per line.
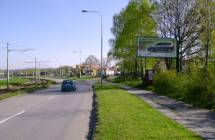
<point x="35" y="68"/>
<point x="8" y="51"/>
<point x="3" y="48"/>
<point x="23" y="54"/>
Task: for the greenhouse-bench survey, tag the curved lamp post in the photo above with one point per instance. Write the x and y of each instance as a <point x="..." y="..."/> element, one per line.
<point x="97" y="12"/>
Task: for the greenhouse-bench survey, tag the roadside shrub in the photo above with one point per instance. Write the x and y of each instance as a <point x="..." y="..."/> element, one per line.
<point x="200" y="90"/>
<point x="169" y="83"/>
<point x="196" y="87"/>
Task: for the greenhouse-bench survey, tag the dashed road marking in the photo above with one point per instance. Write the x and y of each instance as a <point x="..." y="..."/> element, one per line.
<point x="11" y="117"/>
<point x="51" y="97"/>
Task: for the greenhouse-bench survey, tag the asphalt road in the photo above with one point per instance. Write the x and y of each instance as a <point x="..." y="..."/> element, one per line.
<point x="47" y="115"/>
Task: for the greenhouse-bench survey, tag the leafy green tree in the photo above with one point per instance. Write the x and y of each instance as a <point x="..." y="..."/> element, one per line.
<point x="207" y="36"/>
<point x="133" y="21"/>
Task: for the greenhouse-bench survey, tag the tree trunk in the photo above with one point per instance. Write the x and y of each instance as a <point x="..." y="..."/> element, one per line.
<point x="168" y="62"/>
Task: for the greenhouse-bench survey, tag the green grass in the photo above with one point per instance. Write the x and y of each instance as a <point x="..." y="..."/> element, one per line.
<point x="83" y="78"/>
<point x="131" y="83"/>
<point x="122" y="116"/>
<point x="27" y="90"/>
<point x="15" y="81"/>
<point x="8" y="95"/>
<point x="20" y="92"/>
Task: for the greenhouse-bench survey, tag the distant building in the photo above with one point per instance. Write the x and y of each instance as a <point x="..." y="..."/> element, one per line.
<point x="91" y="66"/>
<point x="2" y="74"/>
<point x="89" y="69"/>
<point x="109" y="71"/>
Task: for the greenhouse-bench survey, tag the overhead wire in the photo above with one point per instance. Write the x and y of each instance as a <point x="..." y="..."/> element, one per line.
<point x="1" y="49"/>
<point x="22" y="53"/>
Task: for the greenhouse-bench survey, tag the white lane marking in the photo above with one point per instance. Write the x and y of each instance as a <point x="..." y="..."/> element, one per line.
<point x="13" y="116"/>
<point x="51" y="97"/>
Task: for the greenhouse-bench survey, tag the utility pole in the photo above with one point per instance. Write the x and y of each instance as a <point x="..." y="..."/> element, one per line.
<point x="80" y="63"/>
<point x="35" y="70"/>
<point x="101" y="49"/>
<point x="97" y="12"/>
<point x="8" y="72"/>
<point x="39" y="67"/>
<point x="80" y="52"/>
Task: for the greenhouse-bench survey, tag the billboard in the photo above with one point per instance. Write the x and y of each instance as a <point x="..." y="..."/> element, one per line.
<point x="156" y="47"/>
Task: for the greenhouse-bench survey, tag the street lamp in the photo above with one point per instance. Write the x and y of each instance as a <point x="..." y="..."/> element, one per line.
<point x="97" y="12"/>
<point x="80" y="52"/>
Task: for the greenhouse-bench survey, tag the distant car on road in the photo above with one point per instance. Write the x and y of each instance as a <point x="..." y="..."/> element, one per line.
<point x="161" y="47"/>
<point x="68" y="85"/>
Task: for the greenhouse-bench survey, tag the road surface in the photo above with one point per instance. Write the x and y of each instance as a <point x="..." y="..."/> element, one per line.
<point x="47" y="115"/>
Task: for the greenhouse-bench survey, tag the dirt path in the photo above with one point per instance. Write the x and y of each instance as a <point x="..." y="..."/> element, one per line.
<point x="200" y="121"/>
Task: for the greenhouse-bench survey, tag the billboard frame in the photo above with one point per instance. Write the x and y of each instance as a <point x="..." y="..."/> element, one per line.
<point x="156" y="41"/>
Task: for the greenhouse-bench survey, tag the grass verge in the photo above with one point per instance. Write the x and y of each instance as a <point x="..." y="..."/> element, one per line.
<point x="15" y="81"/>
<point x="26" y="90"/>
<point x="131" y="83"/>
<point x="122" y="116"/>
<point x="83" y="78"/>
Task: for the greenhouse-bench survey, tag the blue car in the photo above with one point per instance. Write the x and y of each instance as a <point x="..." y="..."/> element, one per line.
<point x="68" y="85"/>
<point x="161" y="47"/>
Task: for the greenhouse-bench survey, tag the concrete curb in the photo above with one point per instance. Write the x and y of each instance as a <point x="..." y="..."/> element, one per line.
<point x="93" y="117"/>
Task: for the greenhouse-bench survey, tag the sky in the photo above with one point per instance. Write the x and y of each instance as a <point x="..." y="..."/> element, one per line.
<point x="54" y="29"/>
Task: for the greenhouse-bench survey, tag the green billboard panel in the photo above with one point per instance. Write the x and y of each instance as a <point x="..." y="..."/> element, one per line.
<point x="156" y="47"/>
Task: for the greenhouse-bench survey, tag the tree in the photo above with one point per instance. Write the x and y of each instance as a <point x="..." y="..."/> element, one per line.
<point x="133" y="21"/>
<point x="207" y="38"/>
<point x="92" y="60"/>
<point x="180" y="19"/>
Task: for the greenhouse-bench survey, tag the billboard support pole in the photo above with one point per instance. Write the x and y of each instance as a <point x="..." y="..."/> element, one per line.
<point x="177" y="58"/>
<point x="145" y="73"/>
<point x="145" y="65"/>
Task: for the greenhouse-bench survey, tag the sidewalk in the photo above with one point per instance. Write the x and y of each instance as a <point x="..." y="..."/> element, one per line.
<point x="200" y="121"/>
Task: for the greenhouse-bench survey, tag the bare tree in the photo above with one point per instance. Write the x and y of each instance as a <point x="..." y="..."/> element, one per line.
<point x="92" y="60"/>
<point x="180" y="19"/>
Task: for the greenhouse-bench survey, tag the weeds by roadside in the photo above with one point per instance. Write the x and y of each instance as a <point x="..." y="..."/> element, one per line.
<point x="28" y="89"/>
<point x="196" y="88"/>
